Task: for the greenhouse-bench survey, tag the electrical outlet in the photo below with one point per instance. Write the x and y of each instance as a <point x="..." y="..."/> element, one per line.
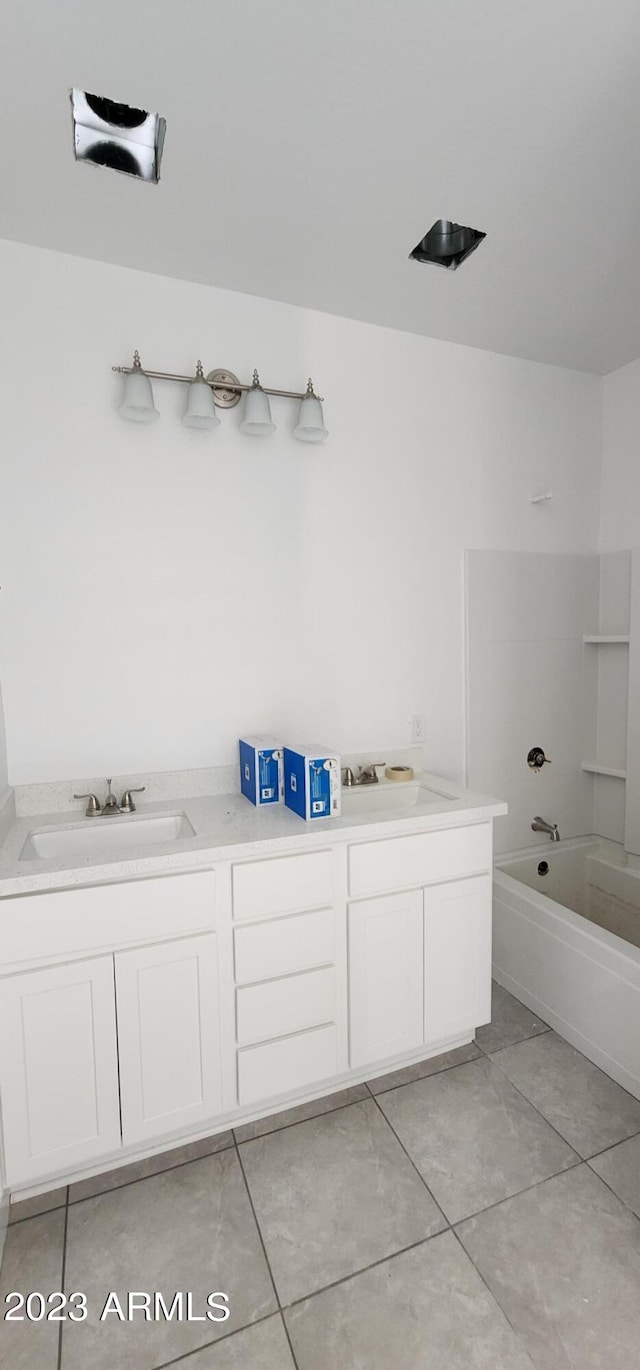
<point x="418" y="728"/>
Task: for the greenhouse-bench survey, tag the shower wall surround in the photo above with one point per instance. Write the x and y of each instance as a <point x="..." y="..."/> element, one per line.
<point x="533" y="681"/>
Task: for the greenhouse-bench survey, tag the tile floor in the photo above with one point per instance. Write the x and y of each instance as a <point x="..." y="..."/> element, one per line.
<point x="478" y="1211"/>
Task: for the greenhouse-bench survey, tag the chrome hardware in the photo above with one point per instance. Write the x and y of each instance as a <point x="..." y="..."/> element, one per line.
<point x="539" y="824"/>
<point x="368" y="775"/>
<point x="348" y="778"/>
<point x="536" y="759"/>
<point x="111" y="804"/>
<point x="93" y="805"/>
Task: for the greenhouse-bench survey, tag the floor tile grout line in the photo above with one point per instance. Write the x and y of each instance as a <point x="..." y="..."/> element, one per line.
<point x="430" y="1074"/>
<point x="71" y="1203"/>
<point x="412" y="1162"/>
<point x="264" y="1248"/>
<point x="518" y="1335"/>
<point x="363" y="1270"/>
<point x="99" y="1193"/>
<point x="282" y="1307"/>
<point x="242" y="1141"/>
<point x="289" y="1341"/>
<point x="579" y="1160"/>
<point x="217" y="1341"/>
<point x="480" y="1212"/>
<point x="535" y="1106"/>
<point x="531" y="1036"/>
<point x="63" y="1276"/>
<point x="454" y="1064"/>
<point x="43" y="1213"/>
<point x="614" y="1145"/>
<point x="610" y="1186"/>
<point x="580" y="1053"/>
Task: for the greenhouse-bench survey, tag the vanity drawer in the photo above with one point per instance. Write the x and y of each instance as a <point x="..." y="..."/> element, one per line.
<point x="285" y="1006"/>
<point x="285" y="945"/>
<point x="424" y="859"/>
<point x="278" y="1067"/>
<point x="283" y="885"/>
<point x="65" y="922"/>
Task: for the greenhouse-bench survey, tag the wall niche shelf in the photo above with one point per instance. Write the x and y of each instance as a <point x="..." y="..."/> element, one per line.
<point x="594" y="768"/>
<point x="606" y="640"/>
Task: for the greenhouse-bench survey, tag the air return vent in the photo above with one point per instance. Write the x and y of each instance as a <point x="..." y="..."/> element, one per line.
<point x="447" y="244"/>
<point x="117" y="136"/>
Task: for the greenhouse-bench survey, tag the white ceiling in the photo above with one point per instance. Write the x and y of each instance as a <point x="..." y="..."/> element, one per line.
<point x="310" y="145"/>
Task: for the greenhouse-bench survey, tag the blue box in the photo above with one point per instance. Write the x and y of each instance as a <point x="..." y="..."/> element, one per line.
<point x="312" y="781"/>
<point x="261" y="770"/>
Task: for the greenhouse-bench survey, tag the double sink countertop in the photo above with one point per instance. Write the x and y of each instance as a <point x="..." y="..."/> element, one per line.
<point x="225" y="827"/>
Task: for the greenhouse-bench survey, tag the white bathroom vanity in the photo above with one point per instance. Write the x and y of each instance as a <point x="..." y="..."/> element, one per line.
<point x="158" y="988"/>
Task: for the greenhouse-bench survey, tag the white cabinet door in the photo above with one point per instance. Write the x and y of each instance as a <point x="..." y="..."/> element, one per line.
<point x="457" y="957"/>
<point x="386" y="977"/>
<point x="168" y="1036"/>
<point x="58" y="1068"/>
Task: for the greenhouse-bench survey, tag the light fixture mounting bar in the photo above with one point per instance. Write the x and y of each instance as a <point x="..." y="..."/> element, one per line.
<point x="216" y="384"/>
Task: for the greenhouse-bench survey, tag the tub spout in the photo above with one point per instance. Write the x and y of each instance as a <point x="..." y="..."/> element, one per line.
<point x="540" y="825"/>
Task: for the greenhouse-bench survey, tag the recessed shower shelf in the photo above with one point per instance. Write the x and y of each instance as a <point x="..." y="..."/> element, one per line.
<point x="603" y="640"/>
<point x="595" y="768"/>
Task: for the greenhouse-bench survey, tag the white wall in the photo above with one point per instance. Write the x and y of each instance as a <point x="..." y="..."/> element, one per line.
<point x="164" y="589"/>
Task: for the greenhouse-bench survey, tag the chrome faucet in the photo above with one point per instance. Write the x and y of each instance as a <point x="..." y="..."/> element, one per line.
<point x="540" y="825"/>
<point x="368" y="775"/>
<point x="111" y="805"/>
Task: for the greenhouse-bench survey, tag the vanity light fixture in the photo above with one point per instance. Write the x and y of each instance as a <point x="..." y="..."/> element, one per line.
<point x="137" y="401"/>
<point x="257" y="410"/>
<point x="201" y="408"/>
<point x="310" y="426"/>
<point x="220" y="389"/>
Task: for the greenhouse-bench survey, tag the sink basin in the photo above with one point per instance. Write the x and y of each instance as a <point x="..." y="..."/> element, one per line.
<point x="398" y="795"/>
<point x="104" y="836"/>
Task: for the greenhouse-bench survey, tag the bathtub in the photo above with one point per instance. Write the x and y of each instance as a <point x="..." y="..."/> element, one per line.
<point x="566" y="941"/>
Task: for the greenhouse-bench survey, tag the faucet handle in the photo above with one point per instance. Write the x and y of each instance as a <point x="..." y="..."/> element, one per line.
<point x="127" y="804"/>
<point x="369" y="774"/>
<point x="93" y="805"/>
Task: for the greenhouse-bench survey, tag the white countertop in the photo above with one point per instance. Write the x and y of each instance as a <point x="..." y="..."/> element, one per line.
<point x="225" y="827"/>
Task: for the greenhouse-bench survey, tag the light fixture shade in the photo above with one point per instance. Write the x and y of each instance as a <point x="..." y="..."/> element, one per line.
<point x="201" y="407"/>
<point x="137" y="401"/>
<point x="310" y="426"/>
<point x="257" y="411"/>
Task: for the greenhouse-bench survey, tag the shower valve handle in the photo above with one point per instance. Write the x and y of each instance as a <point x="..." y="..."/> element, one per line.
<point x="536" y="759"/>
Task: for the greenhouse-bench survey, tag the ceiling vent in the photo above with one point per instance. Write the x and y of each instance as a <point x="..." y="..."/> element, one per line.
<point x="117" y="136"/>
<point x="447" y="244"/>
